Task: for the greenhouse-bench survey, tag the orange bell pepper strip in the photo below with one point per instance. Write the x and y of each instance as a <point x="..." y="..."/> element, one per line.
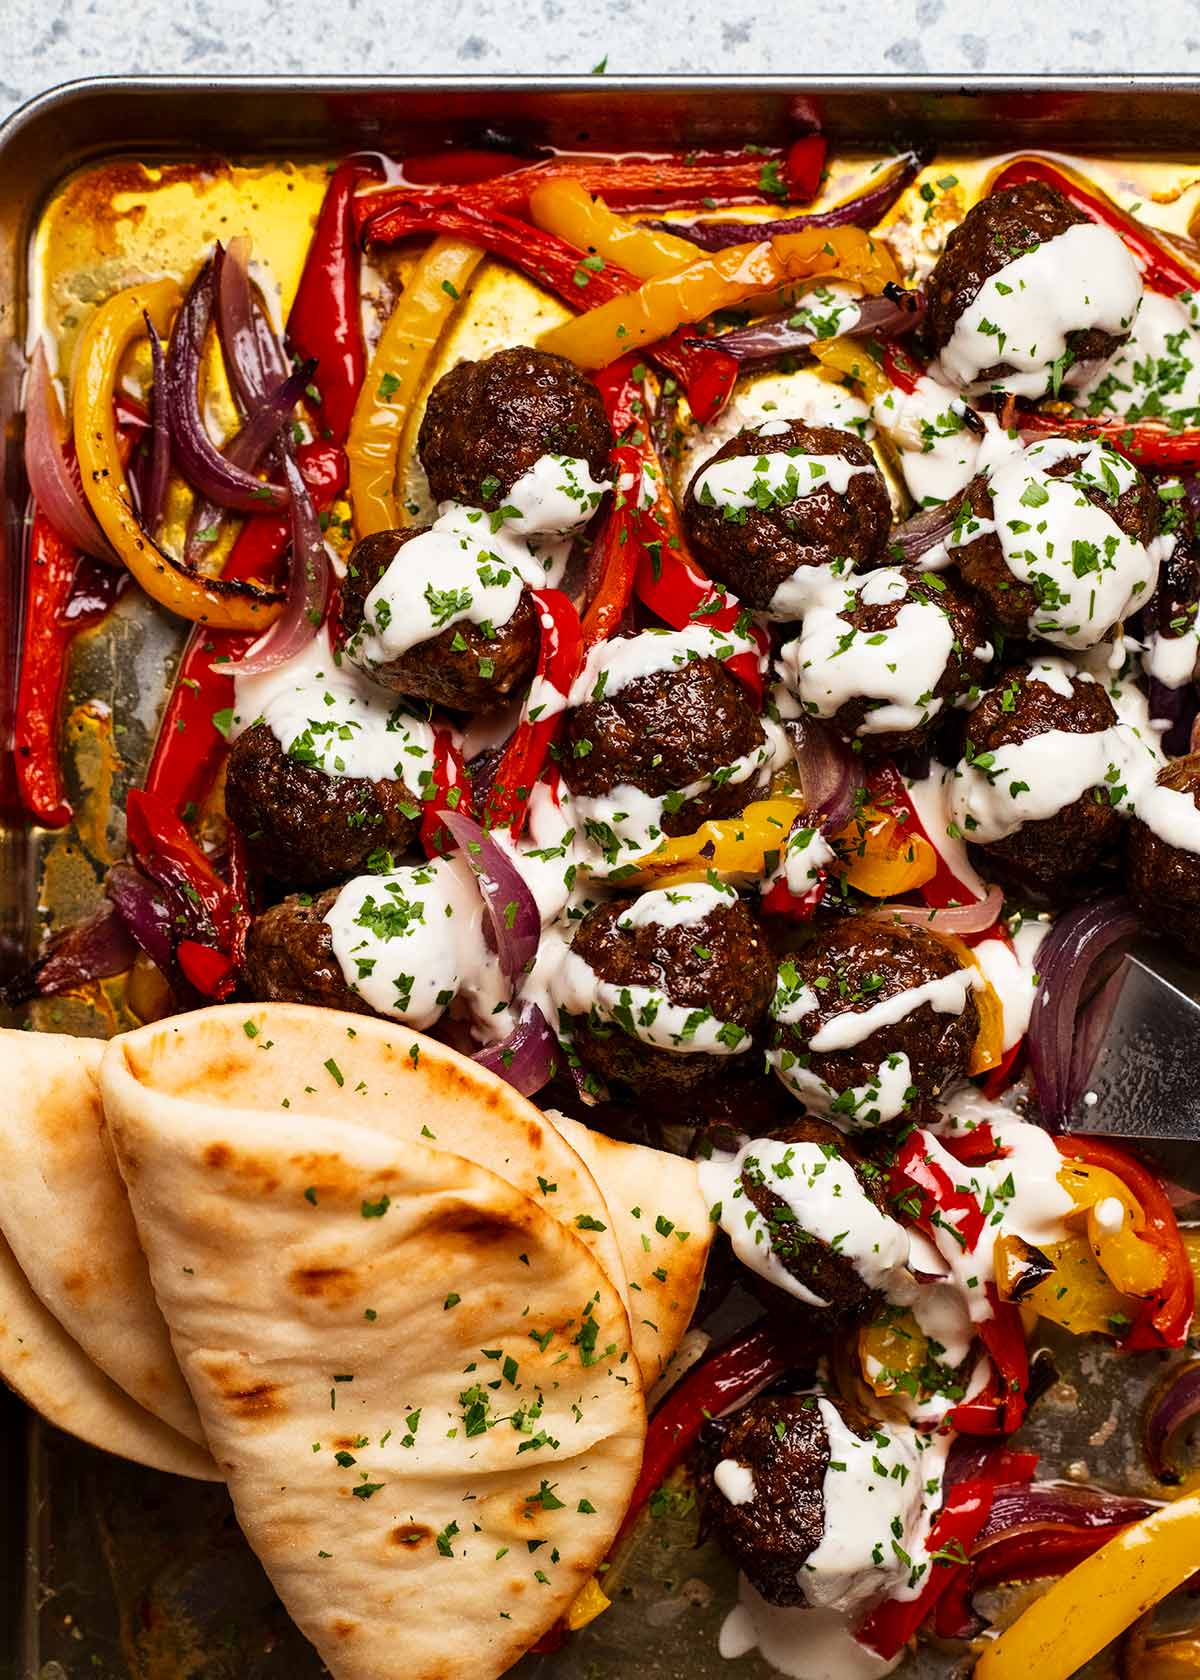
<point x="740" y="274"/>
<point x="387" y="394"/>
<point x="881" y="857"/>
<point x="224" y="604"/>
<point x="567" y="209"/>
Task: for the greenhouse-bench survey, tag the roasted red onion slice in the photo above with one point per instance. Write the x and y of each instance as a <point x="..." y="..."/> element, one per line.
<point x="1074" y="963"/>
<point x="1174" y="1402"/>
<point x="512" y="908"/>
<point x="309" y="583"/>
<point x="1021" y="1508"/>
<point x="144" y="909"/>
<point x="47" y="464"/>
<point x="863" y="211"/>
<point x="975" y="917"/>
<point x="93" y="949"/>
<point x="925" y="530"/>
<point x="202" y="464"/>
<point x="784" y="334"/>
<point x="527" y="1057"/>
<point x="830" y="774"/>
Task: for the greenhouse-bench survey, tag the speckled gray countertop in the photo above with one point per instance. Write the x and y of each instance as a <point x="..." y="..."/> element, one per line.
<point x="46" y="43"/>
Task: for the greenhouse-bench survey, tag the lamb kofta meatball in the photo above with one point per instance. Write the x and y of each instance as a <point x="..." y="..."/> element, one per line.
<point x="1058" y="540"/>
<point x="1172" y="617"/>
<point x="666" y="992"/>
<point x="871" y="1018"/>
<point x="658" y="737"/>
<point x="783" y="503"/>
<point x="1029" y="294"/>
<point x="806" y="1213"/>
<point x="519" y="426"/>
<point x="816" y="1506"/>
<point x="440" y="615"/>
<point x="1164" y="853"/>
<point x="406" y="945"/>
<point x="885" y="656"/>
<point x="1042" y="776"/>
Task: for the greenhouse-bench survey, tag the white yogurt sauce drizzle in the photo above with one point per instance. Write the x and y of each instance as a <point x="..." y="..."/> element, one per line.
<point x="411" y="941"/>
<point x="1157" y="370"/>
<point x="736" y="1481"/>
<point x="1023" y="314"/>
<point x="776" y="478"/>
<point x="831" y="662"/>
<point x="806" y="394"/>
<point x="326" y="714"/>
<point x="1171" y="815"/>
<point x="803" y="1644"/>
<point x="927" y="426"/>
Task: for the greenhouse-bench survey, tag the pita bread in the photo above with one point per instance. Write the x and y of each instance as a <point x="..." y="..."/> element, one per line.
<point x="65" y="1216"/>
<point x="264" y="1055"/>
<point x="663" y="1231"/>
<point x="324" y="1286"/>
<point x="54" y="1376"/>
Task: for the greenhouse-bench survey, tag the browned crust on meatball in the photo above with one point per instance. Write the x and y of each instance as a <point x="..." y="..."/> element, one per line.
<point x="660" y="733"/>
<point x="461" y="667"/>
<point x="856" y="962"/>
<point x="486" y="423"/>
<point x="290" y="958"/>
<point x="1047" y="856"/>
<point x="757" y="551"/>
<point x="304" y="826"/>
<point x="992" y="234"/>
<point x="1163" y="880"/>
<point x="720" y="964"/>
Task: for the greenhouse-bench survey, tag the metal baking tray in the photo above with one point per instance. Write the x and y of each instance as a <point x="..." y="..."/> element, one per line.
<point x="117" y="1573"/>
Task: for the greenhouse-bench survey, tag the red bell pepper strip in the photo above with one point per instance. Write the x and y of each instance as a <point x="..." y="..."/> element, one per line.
<point x="1000" y="1406"/>
<point x="707" y="375"/>
<point x="618" y="545"/>
<point x="324" y="322"/>
<point x="66" y="592"/>
<point x="928" y="1196"/>
<point x="965" y="1509"/>
<point x="1002" y="1075"/>
<point x="1161" y="270"/>
<point x="974" y="1147"/>
<point x="715" y="1386"/>
<point x="459" y="166"/>
<point x="1162" y="1320"/>
<point x="903" y="369"/>
<point x="189" y="747"/>
<point x="1147" y="443"/>
<point x="624" y="183"/>
<point x="560" y="655"/>
<point x="780" y="900"/>
<point x="803" y="164"/>
<point x="943" y="889"/>
<point x="447" y="787"/>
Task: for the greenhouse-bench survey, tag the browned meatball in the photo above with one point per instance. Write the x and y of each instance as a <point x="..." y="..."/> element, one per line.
<point x="850" y="966"/>
<point x="304" y="826"/>
<point x="993" y="233"/>
<point x="872" y="606"/>
<point x="1047" y="855"/>
<point x="812" y="1262"/>
<point x="290" y="957"/>
<point x="781" y="1439"/>
<point x="1012" y="603"/>
<point x="662" y="733"/>
<point x="486" y="423"/>
<point x="462" y="666"/>
<point x="1164" y="879"/>
<point x="708" y="977"/>
<point x="755" y="549"/>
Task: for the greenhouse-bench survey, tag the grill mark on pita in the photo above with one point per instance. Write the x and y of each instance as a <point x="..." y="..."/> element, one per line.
<point x="411" y="1535"/>
<point x="473" y="1226"/>
<point x="344" y="1629"/>
<point x="325" y="1283"/>
<point x="255" y="1400"/>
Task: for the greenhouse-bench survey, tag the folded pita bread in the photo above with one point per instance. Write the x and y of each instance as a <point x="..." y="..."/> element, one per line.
<point x="663" y="1231"/>
<point x="267" y="1056"/>
<point x="52" y="1374"/>
<point x="66" y="1219"/>
<point x="421" y="1386"/>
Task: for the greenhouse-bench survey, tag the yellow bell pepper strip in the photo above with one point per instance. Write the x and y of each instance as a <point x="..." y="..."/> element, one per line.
<point x="225" y="604"/>
<point x="987" y="1051"/>
<point x="880" y="857"/>
<point x="738" y="849"/>
<point x="387" y="394"/>
<point x="568" y="210"/>
<point x="1134" y="1266"/>
<point x="1082" y="1612"/>
<point x="1076" y="1294"/>
<point x="736" y="276"/>
<point x="590" y="1603"/>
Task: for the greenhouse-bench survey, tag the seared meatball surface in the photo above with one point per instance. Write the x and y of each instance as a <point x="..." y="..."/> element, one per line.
<point x="883" y="662"/>
<point x="486" y="423"/>
<point x="462" y="666"/>
<point x="305" y="827"/>
<point x="848" y="967"/>
<point x="290" y="956"/>
<point x="1011" y="602"/>
<point x="661" y="733"/>
<point x="781" y="1439"/>
<point x="793" y="516"/>
<point x="993" y="233"/>
<point x="1046" y="855"/>
<point x="1164" y="878"/>
<point x="699" y="979"/>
